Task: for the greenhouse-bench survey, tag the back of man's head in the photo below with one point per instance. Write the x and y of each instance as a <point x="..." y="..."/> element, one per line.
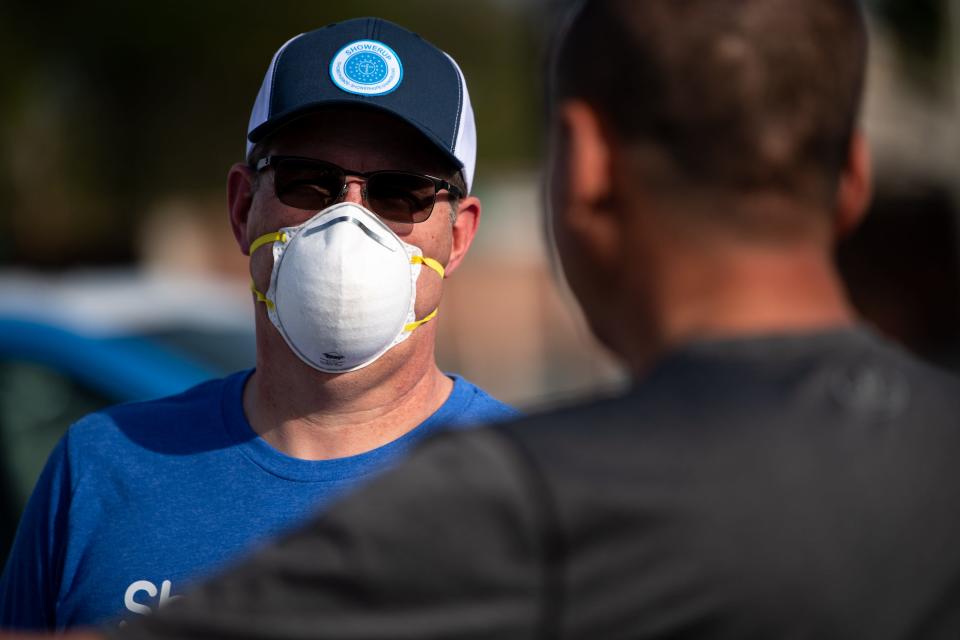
<point x="733" y="97"/>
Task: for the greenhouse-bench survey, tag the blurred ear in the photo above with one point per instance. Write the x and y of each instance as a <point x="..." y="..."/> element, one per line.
<point x="588" y="161"/>
<point x="856" y="186"/>
<point x="589" y="211"/>
<point x="464" y="230"/>
<point x="240" y="181"/>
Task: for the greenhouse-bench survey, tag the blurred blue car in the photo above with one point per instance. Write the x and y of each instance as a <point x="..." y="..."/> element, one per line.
<point x="119" y="368"/>
<point x="74" y="344"/>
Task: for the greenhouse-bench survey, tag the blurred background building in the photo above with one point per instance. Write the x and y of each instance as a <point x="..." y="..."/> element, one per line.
<point x="120" y="119"/>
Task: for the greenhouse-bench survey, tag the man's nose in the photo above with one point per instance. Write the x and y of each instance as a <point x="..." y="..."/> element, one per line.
<point x="354" y="192"/>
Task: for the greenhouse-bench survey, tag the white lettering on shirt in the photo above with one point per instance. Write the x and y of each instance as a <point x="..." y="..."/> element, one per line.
<point x="137" y="605"/>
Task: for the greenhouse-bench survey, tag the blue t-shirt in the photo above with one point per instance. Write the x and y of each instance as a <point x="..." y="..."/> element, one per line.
<point x="139" y="499"/>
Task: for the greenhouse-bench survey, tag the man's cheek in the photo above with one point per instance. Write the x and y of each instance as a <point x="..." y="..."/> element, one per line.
<point x="429" y="292"/>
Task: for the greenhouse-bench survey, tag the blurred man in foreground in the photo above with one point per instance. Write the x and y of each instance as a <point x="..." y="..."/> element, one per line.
<point x="353" y="204"/>
<point x="776" y="471"/>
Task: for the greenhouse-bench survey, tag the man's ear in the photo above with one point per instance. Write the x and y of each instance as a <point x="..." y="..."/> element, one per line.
<point x="587" y="170"/>
<point x="856" y="186"/>
<point x="240" y="181"/>
<point x="464" y="231"/>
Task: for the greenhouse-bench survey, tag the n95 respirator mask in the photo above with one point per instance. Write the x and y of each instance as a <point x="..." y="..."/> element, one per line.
<point x="343" y="287"/>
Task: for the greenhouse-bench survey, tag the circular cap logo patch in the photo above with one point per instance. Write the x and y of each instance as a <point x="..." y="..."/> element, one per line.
<point x="366" y="67"/>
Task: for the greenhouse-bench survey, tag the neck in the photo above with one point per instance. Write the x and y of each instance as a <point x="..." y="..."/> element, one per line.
<point x="313" y="415"/>
<point x="720" y="292"/>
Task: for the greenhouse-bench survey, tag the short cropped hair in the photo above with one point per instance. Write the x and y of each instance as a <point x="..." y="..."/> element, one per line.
<point x="738" y="95"/>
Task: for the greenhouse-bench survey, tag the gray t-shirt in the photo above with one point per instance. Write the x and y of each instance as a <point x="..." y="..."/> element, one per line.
<point x="803" y="486"/>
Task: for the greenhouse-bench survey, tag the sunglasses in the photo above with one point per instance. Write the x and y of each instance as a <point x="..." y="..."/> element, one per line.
<point x="399" y="196"/>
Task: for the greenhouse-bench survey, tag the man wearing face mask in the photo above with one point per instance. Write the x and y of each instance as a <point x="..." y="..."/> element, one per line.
<point x="354" y="205"/>
<point x="777" y="470"/>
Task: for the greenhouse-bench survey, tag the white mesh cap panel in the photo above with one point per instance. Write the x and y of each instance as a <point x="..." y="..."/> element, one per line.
<point x="465" y="141"/>
<point x="261" y="106"/>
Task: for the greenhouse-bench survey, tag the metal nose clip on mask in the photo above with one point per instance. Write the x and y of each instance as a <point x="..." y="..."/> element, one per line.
<point x="343" y="287"/>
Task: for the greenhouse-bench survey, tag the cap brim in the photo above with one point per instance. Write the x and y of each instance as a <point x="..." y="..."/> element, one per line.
<point x="279" y="121"/>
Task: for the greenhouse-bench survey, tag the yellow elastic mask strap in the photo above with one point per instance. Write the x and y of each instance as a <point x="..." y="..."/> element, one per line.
<point x="436" y="266"/>
<point x="413" y="325"/>
<point x="428" y="262"/>
<point x="260" y="297"/>
<point x="267" y="238"/>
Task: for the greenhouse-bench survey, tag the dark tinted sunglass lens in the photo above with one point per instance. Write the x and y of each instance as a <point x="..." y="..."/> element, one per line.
<point x="306" y="184"/>
<point x="401" y="197"/>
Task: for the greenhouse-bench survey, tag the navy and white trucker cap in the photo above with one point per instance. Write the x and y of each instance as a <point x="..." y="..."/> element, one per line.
<point x="375" y="63"/>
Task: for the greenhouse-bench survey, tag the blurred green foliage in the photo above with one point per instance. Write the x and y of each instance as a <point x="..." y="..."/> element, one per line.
<point x="919" y="25"/>
<point x="109" y="106"/>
